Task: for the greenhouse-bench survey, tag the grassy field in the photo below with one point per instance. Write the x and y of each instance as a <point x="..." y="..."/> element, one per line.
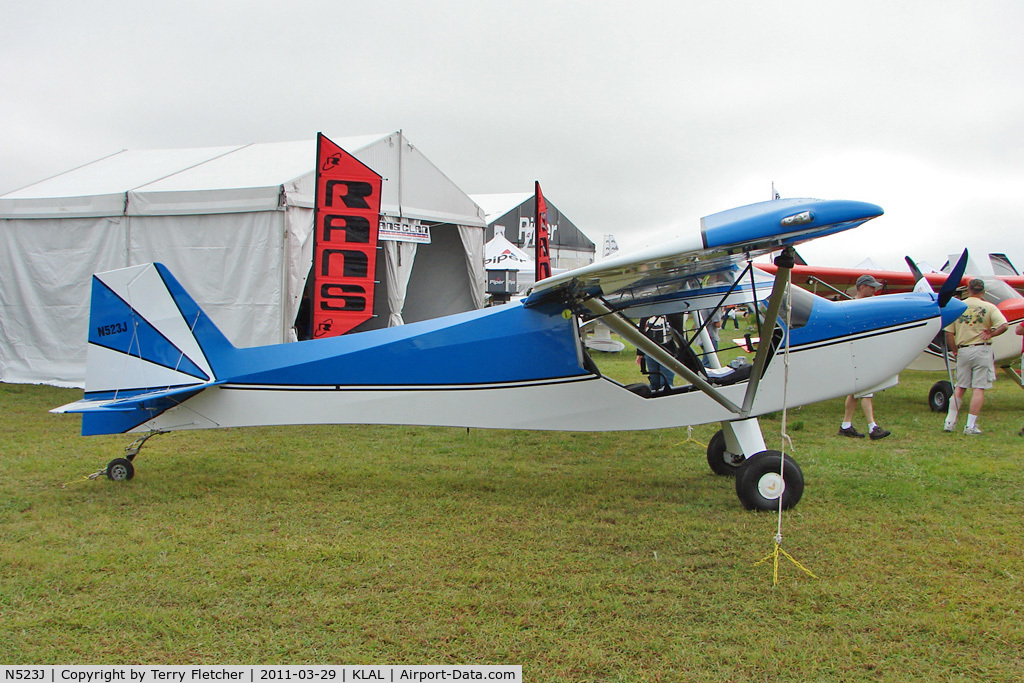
<point x="583" y="557"/>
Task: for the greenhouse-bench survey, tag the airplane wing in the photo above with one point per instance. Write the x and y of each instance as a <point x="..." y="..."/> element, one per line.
<point x="839" y="280"/>
<point x="701" y="270"/>
<point x="705" y="263"/>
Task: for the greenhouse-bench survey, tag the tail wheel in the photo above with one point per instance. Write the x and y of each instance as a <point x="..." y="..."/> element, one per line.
<point x="767" y="476"/>
<point x="722" y="462"/>
<point x="938" y="397"/>
<point x="120" y="469"/>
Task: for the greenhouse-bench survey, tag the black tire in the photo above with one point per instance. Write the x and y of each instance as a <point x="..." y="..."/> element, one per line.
<point x="120" y="469"/>
<point x="723" y="462"/>
<point x="758" y="482"/>
<point x="938" y="397"/>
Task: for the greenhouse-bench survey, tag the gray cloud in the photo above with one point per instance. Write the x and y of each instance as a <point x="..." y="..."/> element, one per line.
<point x="635" y="117"/>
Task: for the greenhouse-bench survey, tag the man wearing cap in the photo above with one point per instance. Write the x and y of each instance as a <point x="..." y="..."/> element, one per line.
<point x="970" y="339"/>
<point x="866" y="286"/>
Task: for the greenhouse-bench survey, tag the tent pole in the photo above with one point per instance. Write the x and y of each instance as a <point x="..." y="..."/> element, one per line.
<point x="284" y="261"/>
<point x="401" y="145"/>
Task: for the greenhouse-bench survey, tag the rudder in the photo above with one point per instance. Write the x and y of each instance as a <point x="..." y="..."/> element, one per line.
<point x="147" y="334"/>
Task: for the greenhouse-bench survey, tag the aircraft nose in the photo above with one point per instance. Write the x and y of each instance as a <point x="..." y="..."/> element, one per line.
<point x="953" y="309"/>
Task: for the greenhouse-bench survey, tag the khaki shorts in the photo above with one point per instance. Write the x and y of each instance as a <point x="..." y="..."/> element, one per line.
<point x="975" y="367"/>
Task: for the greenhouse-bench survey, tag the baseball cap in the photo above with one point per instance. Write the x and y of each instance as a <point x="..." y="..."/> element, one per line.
<point x="868" y="280"/>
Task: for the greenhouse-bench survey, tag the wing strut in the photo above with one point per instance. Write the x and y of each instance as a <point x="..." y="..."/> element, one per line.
<point x="784" y="262"/>
<point x="811" y="280"/>
<point x="621" y="324"/>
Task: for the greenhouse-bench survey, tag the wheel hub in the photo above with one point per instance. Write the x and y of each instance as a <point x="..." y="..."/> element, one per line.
<point x="771" y="486"/>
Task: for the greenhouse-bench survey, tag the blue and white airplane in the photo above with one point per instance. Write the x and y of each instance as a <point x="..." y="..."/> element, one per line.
<point x="157" y="363"/>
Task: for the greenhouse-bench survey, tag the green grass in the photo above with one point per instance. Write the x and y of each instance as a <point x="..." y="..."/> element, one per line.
<point x="583" y="557"/>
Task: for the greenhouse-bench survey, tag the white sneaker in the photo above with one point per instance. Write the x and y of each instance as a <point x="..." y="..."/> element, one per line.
<point x="949" y="426"/>
<point x="970" y="431"/>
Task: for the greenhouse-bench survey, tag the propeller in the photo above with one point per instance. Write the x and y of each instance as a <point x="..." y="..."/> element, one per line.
<point x="948" y="288"/>
<point x="945" y="294"/>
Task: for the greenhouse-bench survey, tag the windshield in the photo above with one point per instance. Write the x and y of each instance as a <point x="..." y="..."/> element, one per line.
<point x="802" y="301"/>
<point x="997" y="291"/>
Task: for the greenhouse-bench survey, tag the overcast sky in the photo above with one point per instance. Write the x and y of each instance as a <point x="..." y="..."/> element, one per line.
<point x="637" y="118"/>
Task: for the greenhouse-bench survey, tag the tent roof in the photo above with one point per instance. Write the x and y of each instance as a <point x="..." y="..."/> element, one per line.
<point x="507" y="210"/>
<point x="254" y="177"/>
<point x="497" y="205"/>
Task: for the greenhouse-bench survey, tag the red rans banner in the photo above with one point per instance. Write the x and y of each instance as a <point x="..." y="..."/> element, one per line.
<point x="346" y="222"/>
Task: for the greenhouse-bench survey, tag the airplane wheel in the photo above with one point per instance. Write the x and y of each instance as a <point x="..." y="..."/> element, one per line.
<point x="938" y="397"/>
<point x="120" y="469"/>
<point x="759" y="485"/>
<point x="722" y="462"/>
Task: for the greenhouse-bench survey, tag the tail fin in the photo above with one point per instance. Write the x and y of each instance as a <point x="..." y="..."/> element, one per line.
<point x="1001" y="265"/>
<point x="150" y="347"/>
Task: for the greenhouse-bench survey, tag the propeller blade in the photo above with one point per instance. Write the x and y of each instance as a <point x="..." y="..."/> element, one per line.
<point x="948" y="288"/>
<point x="914" y="270"/>
<point x="921" y="283"/>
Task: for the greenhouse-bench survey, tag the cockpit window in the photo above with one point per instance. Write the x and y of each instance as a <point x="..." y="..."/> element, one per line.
<point x="802" y="302"/>
<point x="997" y="291"/>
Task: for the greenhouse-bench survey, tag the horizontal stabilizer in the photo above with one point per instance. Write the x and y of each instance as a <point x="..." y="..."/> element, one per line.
<point x="118" y="415"/>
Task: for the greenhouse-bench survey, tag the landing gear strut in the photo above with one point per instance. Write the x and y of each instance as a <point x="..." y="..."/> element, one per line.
<point x="122" y="469"/>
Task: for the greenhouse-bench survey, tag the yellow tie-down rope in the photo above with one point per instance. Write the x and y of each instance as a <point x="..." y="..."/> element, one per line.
<point x="86" y="477"/>
<point x="690" y="439"/>
<point x="778" y="550"/>
<point x="774" y="557"/>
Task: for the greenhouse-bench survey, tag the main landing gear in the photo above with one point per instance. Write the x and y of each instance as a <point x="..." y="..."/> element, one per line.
<point x="767" y="476"/>
<point x="722" y="461"/>
<point x="764" y="477"/>
<point x="122" y="469"/>
<point x="938" y="397"/>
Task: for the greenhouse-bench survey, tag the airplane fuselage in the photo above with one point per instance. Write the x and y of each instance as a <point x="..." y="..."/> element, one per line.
<point x="473" y="373"/>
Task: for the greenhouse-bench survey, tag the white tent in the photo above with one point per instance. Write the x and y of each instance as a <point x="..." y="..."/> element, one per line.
<point x="500" y="254"/>
<point x="234" y="224"/>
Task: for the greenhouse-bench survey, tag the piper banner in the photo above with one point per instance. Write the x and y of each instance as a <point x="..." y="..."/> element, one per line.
<point x="347" y="218"/>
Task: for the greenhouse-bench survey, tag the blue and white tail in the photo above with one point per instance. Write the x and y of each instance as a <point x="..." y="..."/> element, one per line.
<point x="150" y="347"/>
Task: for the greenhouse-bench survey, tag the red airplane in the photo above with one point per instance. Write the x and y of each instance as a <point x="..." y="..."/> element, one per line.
<point x="1003" y="289"/>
